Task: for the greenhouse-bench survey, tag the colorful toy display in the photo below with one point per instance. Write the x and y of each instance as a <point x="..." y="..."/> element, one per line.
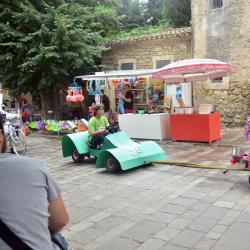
<point x="74" y="93"/>
<point x="156" y="93"/>
<point x="54" y="126"/>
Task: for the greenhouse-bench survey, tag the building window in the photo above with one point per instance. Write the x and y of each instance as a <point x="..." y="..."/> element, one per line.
<point x="217" y="4"/>
<point x="218" y="80"/>
<point x="218" y="83"/>
<point x="161" y="63"/>
<point x="127" y="66"/>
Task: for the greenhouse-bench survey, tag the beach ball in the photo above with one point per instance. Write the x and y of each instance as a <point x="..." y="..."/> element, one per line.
<point x="68" y="98"/>
<point x="74" y="98"/>
<point x="80" y="98"/>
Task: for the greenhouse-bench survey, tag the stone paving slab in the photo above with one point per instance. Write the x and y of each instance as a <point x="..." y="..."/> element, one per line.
<point x="154" y="207"/>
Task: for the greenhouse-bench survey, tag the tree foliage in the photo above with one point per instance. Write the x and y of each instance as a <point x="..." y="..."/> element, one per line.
<point x="45" y="43"/>
<point x="152" y="12"/>
<point x="136" y="13"/>
<point x="129" y="13"/>
<point x="177" y="11"/>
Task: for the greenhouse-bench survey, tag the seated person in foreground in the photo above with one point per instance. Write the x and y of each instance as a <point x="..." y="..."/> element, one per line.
<point x="31" y="206"/>
<point x="98" y="125"/>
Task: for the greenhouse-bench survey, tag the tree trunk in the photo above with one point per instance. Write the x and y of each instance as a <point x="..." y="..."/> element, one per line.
<point x="50" y="104"/>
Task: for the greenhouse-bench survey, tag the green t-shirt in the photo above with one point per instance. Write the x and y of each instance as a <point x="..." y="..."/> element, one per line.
<point x="96" y="124"/>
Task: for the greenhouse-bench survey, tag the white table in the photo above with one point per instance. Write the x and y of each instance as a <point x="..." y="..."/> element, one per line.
<point x="146" y="126"/>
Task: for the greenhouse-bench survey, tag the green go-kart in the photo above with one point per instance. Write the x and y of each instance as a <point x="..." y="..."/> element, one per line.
<point x="118" y="152"/>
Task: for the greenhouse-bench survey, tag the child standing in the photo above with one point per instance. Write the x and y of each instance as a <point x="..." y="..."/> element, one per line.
<point x="91" y="109"/>
<point x="120" y="107"/>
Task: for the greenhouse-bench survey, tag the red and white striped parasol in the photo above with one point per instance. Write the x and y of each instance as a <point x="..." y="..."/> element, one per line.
<point x="194" y="70"/>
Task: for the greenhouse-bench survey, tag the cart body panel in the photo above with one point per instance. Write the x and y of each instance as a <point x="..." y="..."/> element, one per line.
<point x="128" y="153"/>
<point x="75" y="140"/>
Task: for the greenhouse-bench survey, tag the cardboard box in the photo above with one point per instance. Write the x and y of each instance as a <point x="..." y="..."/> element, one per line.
<point x="205" y="108"/>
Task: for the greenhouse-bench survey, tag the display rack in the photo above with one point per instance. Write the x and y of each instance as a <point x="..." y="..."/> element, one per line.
<point x="140" y="95"/>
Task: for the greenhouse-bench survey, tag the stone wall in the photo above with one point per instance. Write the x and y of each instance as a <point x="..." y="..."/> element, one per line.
<point x="144" y="52"/>
<point x="224" y="34"/>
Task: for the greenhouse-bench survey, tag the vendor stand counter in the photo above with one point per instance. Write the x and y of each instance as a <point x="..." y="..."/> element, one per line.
<point x="146" y="126"/>
<point x="195" y="127"/>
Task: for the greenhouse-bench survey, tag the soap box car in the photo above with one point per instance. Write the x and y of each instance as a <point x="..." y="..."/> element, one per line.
<point x="118" y="151"/>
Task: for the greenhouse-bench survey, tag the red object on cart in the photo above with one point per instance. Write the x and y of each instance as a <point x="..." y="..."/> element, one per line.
<point x="195" y="127"/>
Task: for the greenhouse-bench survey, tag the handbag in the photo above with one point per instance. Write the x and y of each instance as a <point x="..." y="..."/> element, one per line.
<point x="12" y="240"/>
<point x="15" y="243"/>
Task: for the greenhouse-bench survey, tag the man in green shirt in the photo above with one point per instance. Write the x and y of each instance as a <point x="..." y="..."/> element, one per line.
<point x="98" y="126"/>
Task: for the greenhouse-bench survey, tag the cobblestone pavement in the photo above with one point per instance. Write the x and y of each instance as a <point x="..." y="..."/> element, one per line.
<point x="154" y="207"/>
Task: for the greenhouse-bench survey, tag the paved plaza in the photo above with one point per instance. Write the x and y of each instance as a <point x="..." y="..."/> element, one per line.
<point x="154" y="207"/>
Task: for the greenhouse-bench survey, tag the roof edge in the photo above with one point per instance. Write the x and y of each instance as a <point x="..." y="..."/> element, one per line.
<point x="169" y="32"/>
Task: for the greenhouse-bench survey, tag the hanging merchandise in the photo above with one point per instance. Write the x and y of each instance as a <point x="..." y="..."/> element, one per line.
<point x="74" y="93"/>
<point x="91" y="89"/>
<point x="98" y="99"/>
<point x="131" y="80"/>
<point x="98" y="88"/>
<point x="107" y="85"/>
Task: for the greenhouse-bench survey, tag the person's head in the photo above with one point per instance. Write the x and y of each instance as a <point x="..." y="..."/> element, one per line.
<point x="126" y="88"/>
<point x="102" y="90"/>
<point x="98" y="110"/>
<point x="2" y="137"/>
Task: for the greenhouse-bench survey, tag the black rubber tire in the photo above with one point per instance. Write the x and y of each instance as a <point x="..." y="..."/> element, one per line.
<point x="249" y="179"/>
<point x="111" y="164"/>
<point x="76" y="157"/>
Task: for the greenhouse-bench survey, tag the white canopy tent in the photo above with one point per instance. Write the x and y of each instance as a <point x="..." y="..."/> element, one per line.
<point x="124" y="74"/>
<point x="117" y="74"/>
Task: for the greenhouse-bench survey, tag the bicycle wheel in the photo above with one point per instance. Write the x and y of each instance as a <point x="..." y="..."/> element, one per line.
<point x="18" y="142"/>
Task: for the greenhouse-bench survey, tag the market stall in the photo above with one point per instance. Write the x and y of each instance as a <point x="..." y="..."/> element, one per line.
<point x="185" y="124"/>
<point x="113" y="81"/>
<point x="150" y="119"/>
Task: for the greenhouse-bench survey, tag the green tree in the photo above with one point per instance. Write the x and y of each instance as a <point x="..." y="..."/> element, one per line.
<point x="152" y="13"/>
<point x="45" y="43"/>
<point x="129" y="12"/>
<point x="177" y="11"/>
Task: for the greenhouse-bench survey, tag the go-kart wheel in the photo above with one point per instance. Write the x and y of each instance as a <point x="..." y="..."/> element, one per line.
<point x="111" y="164"/>
<point x="249" y="179"/>
<point x="76" y="157"/>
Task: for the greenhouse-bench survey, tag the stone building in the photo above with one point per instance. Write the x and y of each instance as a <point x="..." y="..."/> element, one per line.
<point x="150" y="51"/>
<point x="220" y="30"/>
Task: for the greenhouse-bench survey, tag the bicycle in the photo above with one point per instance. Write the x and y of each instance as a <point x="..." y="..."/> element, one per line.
<point x="16" y="140"/>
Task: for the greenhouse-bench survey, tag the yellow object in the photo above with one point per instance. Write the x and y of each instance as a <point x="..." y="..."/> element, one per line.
<point x="202" y="166"/>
